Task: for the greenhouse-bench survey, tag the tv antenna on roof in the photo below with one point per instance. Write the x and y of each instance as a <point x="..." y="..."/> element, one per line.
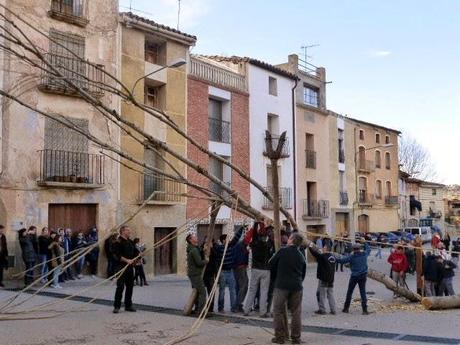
<point x="178" y="14"/>
<point x="305" y="50"/>
<point x="130" y="5"/>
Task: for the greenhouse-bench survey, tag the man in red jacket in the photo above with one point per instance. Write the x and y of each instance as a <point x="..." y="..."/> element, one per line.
<point x="399" y="266"/>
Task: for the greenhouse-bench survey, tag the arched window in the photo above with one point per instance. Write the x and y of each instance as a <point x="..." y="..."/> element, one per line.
<point x="363" y="223"/>
<point x="387" y="139"/>
<point x="378" y="189"/>
<point x="387" y="160"/>
<point x="378" y="159"/>
<point x="388" y="188"/>
<point x="362" y="157"/>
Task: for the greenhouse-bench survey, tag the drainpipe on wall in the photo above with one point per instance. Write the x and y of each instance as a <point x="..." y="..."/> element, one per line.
<point x="294" y="148"/>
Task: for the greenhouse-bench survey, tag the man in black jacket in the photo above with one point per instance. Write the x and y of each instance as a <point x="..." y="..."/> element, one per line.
<point x="124" y="251"/>
<point x="3" y="253"/>
<point x="288" y="269"/>
<point x="325" y="274"/>
<point x="432" y="273"/>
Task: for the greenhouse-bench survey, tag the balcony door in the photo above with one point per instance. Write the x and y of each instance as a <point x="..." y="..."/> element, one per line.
<point x="362" y="157"/>
<point x="363" y="223"/>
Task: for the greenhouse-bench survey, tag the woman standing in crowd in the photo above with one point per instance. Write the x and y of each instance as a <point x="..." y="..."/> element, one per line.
<point x="57" y="260"/>
<point x="139" y="267"/>
<point x="44" y="254"/>
<point x="29" y="254"/>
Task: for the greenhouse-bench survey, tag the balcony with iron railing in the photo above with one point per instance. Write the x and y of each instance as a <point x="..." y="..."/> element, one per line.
<point x="71" y="11"/>
<point x="274" y="144"/>
<point x="315" y="209"/>
<point x="83" y="74"/>
<point x="166" y="190"/>
<point x="391" y="200"/>
<point x="365" y="166"/>
<point x="217" y="75"/>
<point x="365" y="199"/>
<point x="219" y="130"/>
<point x="310" y="159"/>
<point x="65" y="169"/>
<point x="343" y="198"/>
<point x="284" y="197"/>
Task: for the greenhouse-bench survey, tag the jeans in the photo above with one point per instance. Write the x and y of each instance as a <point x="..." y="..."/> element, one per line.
<point x="378" y="254"/>
<point x="399" y="278"/>
<point x="29" y="276"/>
<point x="44" y="268"/>
<point x="446" y="287"/>
<point x="259" y="278"/>
<point x="57" y="272"/>
<point x="282" y="300"/>
<point x="361" y="282"/>
<point x="430" y="288"/>
<point x="241" y="277"/>
<point x="325" y="290"/>
<point x="126" y="279"/>
<point x="227" y="278"/>
<point x="80" y="264"/>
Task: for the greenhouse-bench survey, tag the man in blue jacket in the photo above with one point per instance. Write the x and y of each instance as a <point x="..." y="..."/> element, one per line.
<point x="358" y="267"/>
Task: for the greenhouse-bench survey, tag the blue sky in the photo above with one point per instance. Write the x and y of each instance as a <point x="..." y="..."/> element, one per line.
<point x="391" y="62"/>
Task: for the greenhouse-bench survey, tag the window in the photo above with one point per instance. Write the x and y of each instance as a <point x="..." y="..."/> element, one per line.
<point x="60" y="137"/>
<point x="377" y="138"/>
<point x="378" y="159"/>
<point x="219" y="130"/>
<point x="387" y="160"/>
<point x="272" y="86"/>
<point x="155" y="53"/>
<point x="153" y="96"/>
<point x="273" y="124"/>
<point x="342" y="181"/>
<point x="341" y="146"/>
<point x="310" y="154"/>
<point x="387" y="139"/>
<point x="154" y="182"/>
<point x="310" y="96"/>
<point x="64" y="44"/>
<point x="378" y="189"/>
<point x="388" y="188"/>
<point x="361" y="134"/>
<point x="434" y="191"/>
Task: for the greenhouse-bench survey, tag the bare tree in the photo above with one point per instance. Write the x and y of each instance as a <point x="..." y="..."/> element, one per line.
<point x="415" y="159"/>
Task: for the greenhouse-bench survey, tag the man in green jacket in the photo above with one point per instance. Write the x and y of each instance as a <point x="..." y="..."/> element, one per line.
<point x="195" y="267"/>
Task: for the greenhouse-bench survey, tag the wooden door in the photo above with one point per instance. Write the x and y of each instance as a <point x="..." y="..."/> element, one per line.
<point x="363" y="223"/>
<point x="74" y="216"/>
<point x="165" y="255"/>
<point x="341" y="224"/>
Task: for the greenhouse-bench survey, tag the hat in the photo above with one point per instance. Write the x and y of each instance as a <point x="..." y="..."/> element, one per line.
<point x="356" y="246"/>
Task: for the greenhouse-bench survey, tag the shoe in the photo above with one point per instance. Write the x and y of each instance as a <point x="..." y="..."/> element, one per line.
<point x="145" y="284"/>
<point x="333" y="312"/>
<point x="130" y="309"/>
<point x="116" y="310"/>
<point x="296" y="341"/>
<point x="277" y="341"/>
<point x="365" y="312"/>
<point x="320" y="312"/>
<point x="2" y="285"/>
<point x="345" y="310"/>
<point x="221" y="310"/>
<point x="234" y="311"/>
<point x="264" y="316"/>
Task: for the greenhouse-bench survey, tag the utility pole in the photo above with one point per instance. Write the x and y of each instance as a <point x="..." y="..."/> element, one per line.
<point x="274" y="155"/>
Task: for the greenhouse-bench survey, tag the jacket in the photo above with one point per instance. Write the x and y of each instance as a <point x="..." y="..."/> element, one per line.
<point x="399" y="262"/>
<point x="262" y="247"/>
<point x="43" y="244"/>
<point x="326" y="266"/>
<point x="3" y="251"/>
<point x="195" y="262"/>
<point x="432" y="269"/>
<point x="241" y="255"/>
<point x="229" y="260"/>
<point x="288" y="268"/>
<point x="57" y="254"/>
<point x="123" y="248"/>
<point x="448" y="269"/>
<point x="28" y="250"/>
<point x="357" y="261"/>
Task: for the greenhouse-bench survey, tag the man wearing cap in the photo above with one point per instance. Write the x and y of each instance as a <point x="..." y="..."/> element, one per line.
<point x="359" y="268"/>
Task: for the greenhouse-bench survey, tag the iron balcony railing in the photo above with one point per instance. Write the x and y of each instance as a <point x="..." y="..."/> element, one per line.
<point x="343" y="198"/>
<point x="165" y="189"/>
<point x="310" y="159"/>
<point x="69" y="10"/>
<point x="83" y="74"/>
<point x="274" y="144"/>
<point x="391" y="200"/>
<point x="71" y="167"/>
<point x="217" y="75"/>
<point x="219" y="130"/>
<point x="315" y="208"/>
<point x="365" y="198"/>
<point x="366" y="166"/>
<point x="285" y="198"/>
<point x="308" y="68"/>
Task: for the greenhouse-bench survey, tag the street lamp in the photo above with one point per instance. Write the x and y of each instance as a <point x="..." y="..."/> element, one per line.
<point x="176" y="63"/>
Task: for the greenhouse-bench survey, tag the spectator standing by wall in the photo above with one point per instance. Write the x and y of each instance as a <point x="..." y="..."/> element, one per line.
<point x="3" y="254"/>
<point x="44" y="253"/>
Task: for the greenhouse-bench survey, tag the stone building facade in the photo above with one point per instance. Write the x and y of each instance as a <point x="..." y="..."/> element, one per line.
<point x="51" y="176"/>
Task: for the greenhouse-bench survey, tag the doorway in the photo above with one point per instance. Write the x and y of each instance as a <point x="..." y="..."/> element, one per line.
<point x="341" y="224"/>
<point x="78" y="217"/>
<point x="363" y="223"/>
<point x="165" y="255"/>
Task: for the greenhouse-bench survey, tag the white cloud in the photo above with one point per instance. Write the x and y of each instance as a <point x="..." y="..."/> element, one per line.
<point x="379" y="53"/>
<point x="165" y="11"/>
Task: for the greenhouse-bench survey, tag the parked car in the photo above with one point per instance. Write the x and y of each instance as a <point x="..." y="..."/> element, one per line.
<point x="394" y="237"/>
<point x="424" y="233"/>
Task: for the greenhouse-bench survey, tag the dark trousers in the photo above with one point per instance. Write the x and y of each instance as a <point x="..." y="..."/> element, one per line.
<point x="282" y="300"/>
<point x="110" y="268"/>
<point x="241" y="277"/>
<point x="361" y="282"/>
<point x="337" y="267"/>
<point x="208" y="281"/>
<point x="140" y="275"/>
<point x="29" y="276"/>
<point x="92" y="261"/>
<point x="198" y="284"/>
<point x="2" y="267"/>
<point x="126" y="279"/>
